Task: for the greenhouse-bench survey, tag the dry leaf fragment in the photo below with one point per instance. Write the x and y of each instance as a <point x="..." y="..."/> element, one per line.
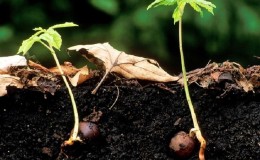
<point x="34" y="65"/>
<point x="37" y="79"/>
<point x="9" y="61"/>
<point x="215" y="76"/>
<point x="68" y="69"/>
<point x="231" y="73"/>
<point x="246" y="85"/>
<point x="81" y="76"/>
<point x="75" y="75"/>
<point x="255" y="80"/>
<point x="7" y="80"/>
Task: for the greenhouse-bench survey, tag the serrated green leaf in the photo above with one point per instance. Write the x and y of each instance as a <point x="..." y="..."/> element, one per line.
<point x="207" y="5"/>
<point x="202" y="3"/>
<point x="57" y="41"/>
<point x="176" y="15"/>
<point x="66" y="24"/>
<point x="196" y="7"/>
<point x="50" y="36"/>
<point x="27" y="44"/>
<point x="178" y="12"/>
<point x="157" y="3"/>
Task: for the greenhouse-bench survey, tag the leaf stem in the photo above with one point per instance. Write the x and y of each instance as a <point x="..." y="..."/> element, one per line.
<point x="196" y="129"/>
<point x="74" y="135"/>
<point x="186" y="88"/>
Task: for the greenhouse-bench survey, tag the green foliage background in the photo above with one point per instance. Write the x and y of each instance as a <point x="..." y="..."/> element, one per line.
<point x="233" y="33"/>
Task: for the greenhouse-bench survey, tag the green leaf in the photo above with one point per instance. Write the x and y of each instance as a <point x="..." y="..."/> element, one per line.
<point x="27" y="44"/>
<point x="179" y="10"/>
<point x="66" y="24"/>
<point x="56" y="38"/>
<point x="157" y="3"/>
<point x="38" y="29"/>
<point x="47" y="37"/>
<point x="204" y="4"/>
<point x="196" y="7"/>
<point x="50" y="36"/>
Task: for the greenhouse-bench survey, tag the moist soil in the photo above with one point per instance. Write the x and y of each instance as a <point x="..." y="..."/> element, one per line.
<point x="138" y="126"/>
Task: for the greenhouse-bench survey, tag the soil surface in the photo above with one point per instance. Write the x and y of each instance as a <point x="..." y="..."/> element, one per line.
<point x="139" y="126"/>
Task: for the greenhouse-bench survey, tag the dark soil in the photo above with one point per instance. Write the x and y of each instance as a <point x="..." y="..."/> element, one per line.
<point x="139" y="126"/>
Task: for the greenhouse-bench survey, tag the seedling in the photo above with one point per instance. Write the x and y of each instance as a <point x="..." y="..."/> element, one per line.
<point x="52" y="40"/>
<point x="177" y="16"/>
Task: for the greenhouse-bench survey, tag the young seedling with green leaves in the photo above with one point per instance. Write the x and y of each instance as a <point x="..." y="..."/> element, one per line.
<point x="51" y="39"/>
<point x="197" y="5"/>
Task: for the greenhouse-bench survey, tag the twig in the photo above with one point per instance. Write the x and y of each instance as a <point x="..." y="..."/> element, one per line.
<point x="107" y="71"/>
<point x="100" y="82"/>
<point x="115" y="99"/>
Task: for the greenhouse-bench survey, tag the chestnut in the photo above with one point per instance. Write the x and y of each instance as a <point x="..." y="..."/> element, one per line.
<point x="182" y="145"/>
<point x="88" y="131"/>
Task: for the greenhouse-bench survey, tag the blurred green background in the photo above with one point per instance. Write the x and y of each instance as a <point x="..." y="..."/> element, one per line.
<point x="233" y="33"/>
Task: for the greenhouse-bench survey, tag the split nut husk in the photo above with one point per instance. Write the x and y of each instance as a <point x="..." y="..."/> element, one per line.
<point x="182" y="145"/>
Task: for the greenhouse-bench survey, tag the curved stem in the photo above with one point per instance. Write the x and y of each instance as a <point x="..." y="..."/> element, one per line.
<point x="187" y="94"/>
<point x="185" y="81"/>
<point x="74" y="134"/>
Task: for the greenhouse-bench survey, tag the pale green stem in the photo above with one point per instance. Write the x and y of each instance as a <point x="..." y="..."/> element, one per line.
<point x="75" y="111"/>
<point x="185" y="81"/>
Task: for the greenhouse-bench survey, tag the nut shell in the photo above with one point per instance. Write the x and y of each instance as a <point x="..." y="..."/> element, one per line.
<point x="88" y="131"/>
<point x="182" y="145"/>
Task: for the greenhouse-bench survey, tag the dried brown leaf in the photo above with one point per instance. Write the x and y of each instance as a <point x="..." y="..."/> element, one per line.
<point x="37" y="66"/>
<point x="37" y="79"/>
<point x="129" y="66"/>
<point x="255" y="80"/>
<point x="215" y="75"/>
<point x="76" y="76"/>
<point x="11" y="61"/>
<point x="246" y="85"/>
<point x="7" y="80"/>
<point x="67" y="68"/>
<point x="81" y="76"/>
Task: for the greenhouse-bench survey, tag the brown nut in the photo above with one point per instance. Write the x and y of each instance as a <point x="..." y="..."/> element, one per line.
<point x="182" y="145"/>
<point x="88" y="131"/>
